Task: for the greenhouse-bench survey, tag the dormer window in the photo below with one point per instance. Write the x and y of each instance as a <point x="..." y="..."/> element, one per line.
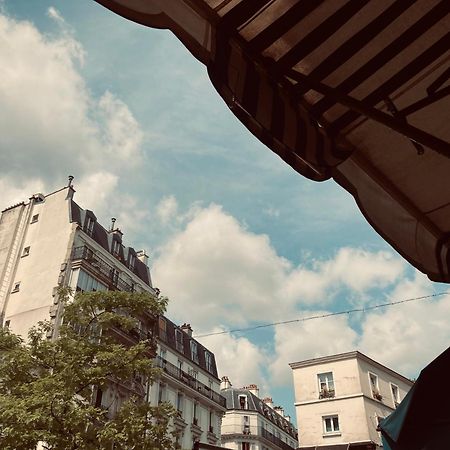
<point x="132" y="262"/>
<point x="208" y="361"/>
<point x="194" y="351"/>
<point x="179" y="340"/>
<point x="115" y="247"/>
<point x="89" y="226"/>
<point x="243" y="402"/>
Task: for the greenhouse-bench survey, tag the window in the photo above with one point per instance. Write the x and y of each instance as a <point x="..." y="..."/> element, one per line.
<point x="26" y="251"/>
<point x="132" y="262"/>
<point x="163" y="353"/>
<point x="243" y="402"/>
<point x="162" y="329"/>
<point x="194" y="351"/>
<point x="208" y="361"/>
<point x="161" y="393"/>
<point x="98" y="398"/>
<point x="180" y="402"/>
<point x="35" y="218"/>
<point x="374" y="386"/>
<point x="326" y="385"/>
<point x="331" y="424"/>
<point x="395" y="395"/>
<point x="194" y="414"/>
<point x="179" y="340"/>
<point x="114" y="273"/>
<point x="16" y="287"/>
<point x="211" y="422"/>
<point x="89" y="226"/>
<point x="115" y="247"/>
<point x="245" y="446"/>
<point x="86" y="283"/>
<point x="246" y="424"/>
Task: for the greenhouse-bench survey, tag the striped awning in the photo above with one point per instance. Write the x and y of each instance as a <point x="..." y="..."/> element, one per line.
<point x="355" y="90"/>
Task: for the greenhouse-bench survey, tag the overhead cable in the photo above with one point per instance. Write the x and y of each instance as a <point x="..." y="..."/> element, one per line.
<point x="323" y="316"/>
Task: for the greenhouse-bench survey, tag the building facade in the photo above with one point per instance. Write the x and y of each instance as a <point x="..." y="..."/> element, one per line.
<point x="51" y="242"/>
<point x="340" y="400"/>
<point x="251" y="423"/>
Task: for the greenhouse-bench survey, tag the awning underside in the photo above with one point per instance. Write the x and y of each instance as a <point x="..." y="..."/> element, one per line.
<point x="356" y="90"/>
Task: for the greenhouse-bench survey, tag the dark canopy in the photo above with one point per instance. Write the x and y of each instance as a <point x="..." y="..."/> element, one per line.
<point x="422" y="420"/>
<point x="355" y="90"/>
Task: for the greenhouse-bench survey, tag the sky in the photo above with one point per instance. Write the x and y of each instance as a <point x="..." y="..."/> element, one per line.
<point x="236" y="238"/>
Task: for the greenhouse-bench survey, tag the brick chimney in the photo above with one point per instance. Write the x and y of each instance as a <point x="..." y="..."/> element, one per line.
<point x="268" y="401"/>
<point x="225" y="383"/>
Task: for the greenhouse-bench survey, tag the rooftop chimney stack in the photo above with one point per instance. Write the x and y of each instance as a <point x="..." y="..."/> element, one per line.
<point x="186" y="327"/>
<point x="70" y="180"/>
<point x="279" y="410"/>
<point x="142" y="256"/>
<point x="225" y="383"/>
<point x="268" y="401"/>
<point x="113" y="223"/>
<point x="253" y="388"/>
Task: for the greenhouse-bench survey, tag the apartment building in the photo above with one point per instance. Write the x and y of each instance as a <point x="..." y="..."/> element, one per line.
<point x="251" y="423"/>
<point x="340" y="400"/>
<point x="49" y="241"/>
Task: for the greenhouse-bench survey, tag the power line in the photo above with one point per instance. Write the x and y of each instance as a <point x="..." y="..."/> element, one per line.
<point x="322" y="316"/>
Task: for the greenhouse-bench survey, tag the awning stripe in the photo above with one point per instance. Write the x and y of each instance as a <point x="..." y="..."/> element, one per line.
<point x="282" y="25"/>
<point x="409" y="71"/>
<point x="358" y="41"/>
<point x="242" y="12"/>
<point x="320" y="34"/>
<point x="389" y="52"/>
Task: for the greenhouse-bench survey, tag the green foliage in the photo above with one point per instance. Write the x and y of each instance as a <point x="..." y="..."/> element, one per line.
<point x="47" y="387"/>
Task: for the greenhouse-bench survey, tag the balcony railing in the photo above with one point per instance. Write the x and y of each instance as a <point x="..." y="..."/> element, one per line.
<point x="275" y="440"/>
<point x="105" y="270"/>
<point x="189" y="380"/>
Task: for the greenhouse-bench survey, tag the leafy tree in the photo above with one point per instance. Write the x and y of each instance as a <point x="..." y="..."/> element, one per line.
<point x="48" y="386"/>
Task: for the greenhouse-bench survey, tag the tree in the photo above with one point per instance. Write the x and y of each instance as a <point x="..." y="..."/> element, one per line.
<point x="48" y="387"/>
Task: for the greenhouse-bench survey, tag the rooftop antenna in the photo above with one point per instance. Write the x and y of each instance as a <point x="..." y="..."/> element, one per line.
<point x="70" y="180"/>
<point x="113" y="221"/>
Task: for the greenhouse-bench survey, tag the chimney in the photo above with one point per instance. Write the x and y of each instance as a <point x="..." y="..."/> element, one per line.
<point x="142" y="256"/>
<point x="186" y="327"/>
<point x="268" y="401"/>
<point x="253" y="388"/>
<point x="113" y="223"/>
<point x="225" y="383"/>
<point x="279" y="410"/>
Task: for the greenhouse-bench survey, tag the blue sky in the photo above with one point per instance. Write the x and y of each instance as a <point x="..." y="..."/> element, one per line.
<point x="236" y="237"/>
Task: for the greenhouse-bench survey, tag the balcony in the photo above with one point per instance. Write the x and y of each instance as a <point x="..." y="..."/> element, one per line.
<point x="189" y="381"/>
<point x="104" y="270"/>
<point x="326" y="393"/>
<point x="275" y="440"/>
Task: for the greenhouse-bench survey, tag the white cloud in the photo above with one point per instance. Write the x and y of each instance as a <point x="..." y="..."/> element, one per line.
<point x="221" y="270"/>
<point x="239" y="359"/>
<point x="408" y="336"/>
<point x="167" y="209"/>
<point x="232" y="276"/>
<point x="310" y="339"/>
<point x="50" y="122"/>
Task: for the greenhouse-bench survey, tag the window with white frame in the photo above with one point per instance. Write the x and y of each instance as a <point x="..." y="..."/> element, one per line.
<point x="194" y="351"/>
<point x="326" y="385"/>
<point x="243" y="402"/>
<point x="331" y="424"/>
<point x="208" y="361"/>
<point x="89" y="226"/>
<point x="395" y="394"/>
<point x="374" y="386"/>
<point x="115" y="247"/>
<point x="179" y="340"/>
<point x="180" y="399"/>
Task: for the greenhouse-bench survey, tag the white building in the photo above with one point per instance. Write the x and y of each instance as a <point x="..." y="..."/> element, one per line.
<point x="49" y="242"/>
<point x="251" y="423"/>
<point x="340" y="399"/>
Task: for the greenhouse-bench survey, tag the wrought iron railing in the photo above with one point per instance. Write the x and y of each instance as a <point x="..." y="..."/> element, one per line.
<point x="106" y="270"/>
<point x="189" y="380"/>
<point x="275" y="440"/>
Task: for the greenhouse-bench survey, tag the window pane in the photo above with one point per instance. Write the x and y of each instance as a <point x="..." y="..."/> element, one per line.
<point x="328" y="428"/>
<point x="335" y="424"/>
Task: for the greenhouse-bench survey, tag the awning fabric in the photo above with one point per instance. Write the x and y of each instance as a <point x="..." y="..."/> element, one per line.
<point x="422" y="420"/>
<point x="355" y="90"/>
